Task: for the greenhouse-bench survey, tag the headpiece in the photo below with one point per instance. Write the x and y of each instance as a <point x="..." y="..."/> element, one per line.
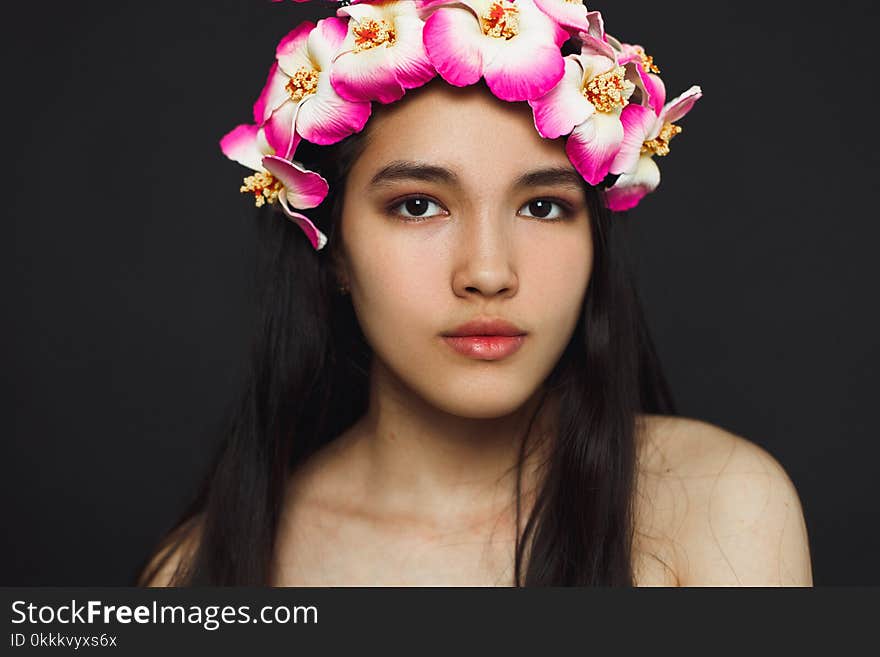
<point x="606" y="97"/>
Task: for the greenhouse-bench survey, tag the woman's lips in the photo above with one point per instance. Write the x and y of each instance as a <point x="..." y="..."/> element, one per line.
<point x="485" y="347"/>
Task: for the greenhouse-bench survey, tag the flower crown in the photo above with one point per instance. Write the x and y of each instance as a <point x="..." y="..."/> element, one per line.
<point x="607" y="99"/>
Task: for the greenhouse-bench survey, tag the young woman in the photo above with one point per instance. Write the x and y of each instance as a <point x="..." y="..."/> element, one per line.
<point x="461" y="388"/>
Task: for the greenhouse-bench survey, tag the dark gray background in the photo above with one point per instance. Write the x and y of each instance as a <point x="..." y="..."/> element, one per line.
<point x="128" y="247"/>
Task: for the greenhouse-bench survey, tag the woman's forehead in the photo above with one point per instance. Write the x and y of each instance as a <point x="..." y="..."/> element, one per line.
<point x="466" y="130"/>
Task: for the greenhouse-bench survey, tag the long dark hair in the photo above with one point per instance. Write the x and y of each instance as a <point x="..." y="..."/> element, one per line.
<point x="307" y="382"/>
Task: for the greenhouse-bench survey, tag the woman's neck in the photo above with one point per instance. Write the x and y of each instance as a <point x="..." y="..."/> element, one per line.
<point x="419" y="460"/>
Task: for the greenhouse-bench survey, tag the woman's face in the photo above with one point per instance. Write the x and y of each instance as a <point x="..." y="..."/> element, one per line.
<point x="458" y="210"/>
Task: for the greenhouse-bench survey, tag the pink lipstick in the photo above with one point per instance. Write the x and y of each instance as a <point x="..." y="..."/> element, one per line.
<point x="486" y="339"/>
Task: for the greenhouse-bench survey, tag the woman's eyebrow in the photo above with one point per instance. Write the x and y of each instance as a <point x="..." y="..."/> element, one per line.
<point x="410" y="170"/>
<point x="551" y="177"/>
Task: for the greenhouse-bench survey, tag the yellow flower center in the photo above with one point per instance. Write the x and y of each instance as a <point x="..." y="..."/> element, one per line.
<point x="647" y="61"/>
<point x="501" y="19"/>
<point x="607" y="92"/>
<point x="370" y="33"/>
<point x="264" y="186"/>
<point x="660" y="144"/>
<point x="302" y="83"/>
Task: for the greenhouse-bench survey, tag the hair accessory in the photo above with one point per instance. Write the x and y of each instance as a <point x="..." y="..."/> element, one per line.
<point x="607" y="99"/>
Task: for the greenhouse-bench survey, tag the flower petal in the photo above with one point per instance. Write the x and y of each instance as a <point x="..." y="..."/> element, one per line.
<point x="366" y="75"/>
<point x="303" y="188"/>
<point x="411" y="63"/>
<point x="273" y="95"/>
<point x="530" y="64"/>
<point x="569" y="14"/>
<point x="280" y="131"/>
<point x="241" y="145"/>
<point x="678" y="107"/>
<point x="655" y="88"/>
<point x="326" y="118"/>
<point x="316" y="237"/>
<point x="563" y="107"/>
<point x="453" y="42"/>
<point x="592" y="146"/>
<point x="524" y="69"/>
<point x="292" y="50"/>
<point x="638" y="122"/>
<point x="326" y="39"/>
<point x="630" y="188"/>
<point x="594" y="64"/>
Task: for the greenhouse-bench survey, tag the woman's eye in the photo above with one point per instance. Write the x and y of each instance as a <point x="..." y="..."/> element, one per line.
<point x="415" y="207"/>
<point x="542" y="208"/>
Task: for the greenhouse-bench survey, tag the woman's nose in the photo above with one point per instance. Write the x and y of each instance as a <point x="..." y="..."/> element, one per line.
<point x="484" y="265"/>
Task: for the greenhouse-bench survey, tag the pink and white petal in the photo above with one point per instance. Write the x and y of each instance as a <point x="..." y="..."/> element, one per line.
<point x="453" y="41"/>
<point x="597" y="25"/>
<point x="411" y="64"/>
<point x="315" y="236"/>
<point x="366" y="75"/>
<point x="593" y="145"/>
<point x="569" y="14"/>
<point x="292" y="50"/>
<point x="655" y="89"/>
<point x="630" y="188"/>
<point x="303" y="188"/>
<point x="360" y="12"/>
<point x="326" y="39"/>
<point x="280" y="133"/>
<point x="594" y="64"/>
<point x="638" y="123"/>
<point x="326" y="118"/>
<point x="591" y="45"/>
<point x="241" y="145"/>
<point x="678" y="107"/>
<point x="629" y="53"/>
<point x="273" y="95"/>
<point x="558" y="111"/>
<point x="524" y="68"/>
<point x="477" y="7"/>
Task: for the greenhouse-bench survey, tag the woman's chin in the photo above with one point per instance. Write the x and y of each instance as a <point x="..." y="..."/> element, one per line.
<point x="479" y="404"/>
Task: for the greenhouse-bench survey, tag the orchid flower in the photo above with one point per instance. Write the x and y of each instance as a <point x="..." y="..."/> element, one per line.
<point x="383" y="54"/>
<point x="587" y="105"/>
<point x="511" y="43"/>
<point x="647" y="134"/>
<point x="276" y="179"/>
<point x="298" y="99"/>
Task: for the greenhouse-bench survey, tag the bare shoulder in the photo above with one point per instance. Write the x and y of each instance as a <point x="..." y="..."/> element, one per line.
<point x="171" y="556"/>
<point x="723" y="509"/>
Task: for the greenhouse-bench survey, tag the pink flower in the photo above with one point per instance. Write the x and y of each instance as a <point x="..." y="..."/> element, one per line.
<point x="511" y="43"/>
<point x="567" y="13"/>
<point x="383" y="54"/>
<point x="276" y="179"/>
<point x="635" y="55"/>
<point x="586" y="105"/>
<point x="298" y="99"/>
<point x="647" y="134"/>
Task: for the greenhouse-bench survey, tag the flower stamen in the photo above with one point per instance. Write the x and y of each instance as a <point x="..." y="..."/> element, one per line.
<point x="609" y="90"/>
<point x="264" y="186"/>
<point x="500" y="20"/>
<point x="660" y="144"/>
<point x="648" y="63"/>
<point x="302" y="83"/>
<point x="370" y="33"/>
